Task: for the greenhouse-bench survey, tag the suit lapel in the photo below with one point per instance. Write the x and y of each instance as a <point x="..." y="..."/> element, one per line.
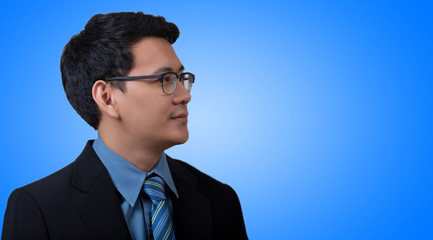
<point x="192" y="210"/>
<point x="99" y="203"/>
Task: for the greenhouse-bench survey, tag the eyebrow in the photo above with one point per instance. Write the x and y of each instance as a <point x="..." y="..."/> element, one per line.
<point x="168" y="69"/>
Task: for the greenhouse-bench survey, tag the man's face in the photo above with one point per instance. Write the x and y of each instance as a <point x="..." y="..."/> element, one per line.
<point x="147" y="114"/>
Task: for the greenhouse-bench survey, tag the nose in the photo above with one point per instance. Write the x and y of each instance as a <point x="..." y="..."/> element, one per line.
<point x="181" y="95"/>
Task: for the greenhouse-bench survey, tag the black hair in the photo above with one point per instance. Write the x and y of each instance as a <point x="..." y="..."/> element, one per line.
<point x="101" y="51"/>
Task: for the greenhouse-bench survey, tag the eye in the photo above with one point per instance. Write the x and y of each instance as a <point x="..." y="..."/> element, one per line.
<point x="169" y="79"/>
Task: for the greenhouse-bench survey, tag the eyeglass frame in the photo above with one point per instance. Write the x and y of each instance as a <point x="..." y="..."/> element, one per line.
<point x="159" y="76"/>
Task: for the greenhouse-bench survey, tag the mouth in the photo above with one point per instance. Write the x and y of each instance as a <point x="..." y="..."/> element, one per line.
<point x="183" y="117"/>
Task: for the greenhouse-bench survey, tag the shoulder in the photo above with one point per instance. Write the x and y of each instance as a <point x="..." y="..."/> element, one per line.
<point x="48" y="186"/>
<point x="28" y="205"/>
<point x="223" y="201"/>
<point x="203" y="182"/>
<point x="79" y="174"/>
<point x="52" y="181"/>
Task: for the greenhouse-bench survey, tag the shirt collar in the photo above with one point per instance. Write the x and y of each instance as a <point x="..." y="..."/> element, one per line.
<point x="126" y="177"/>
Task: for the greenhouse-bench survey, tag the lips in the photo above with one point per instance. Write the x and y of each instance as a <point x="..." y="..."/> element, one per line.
<point x="182" y="115"/>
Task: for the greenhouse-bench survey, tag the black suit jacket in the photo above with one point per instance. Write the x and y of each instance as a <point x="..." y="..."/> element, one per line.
<point x="81" y="202"/>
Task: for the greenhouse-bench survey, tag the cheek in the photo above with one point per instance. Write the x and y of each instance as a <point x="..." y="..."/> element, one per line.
<point x="144" y="106"/>
<point x="151" y="111"/>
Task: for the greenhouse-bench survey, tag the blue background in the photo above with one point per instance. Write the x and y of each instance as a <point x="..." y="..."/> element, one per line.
<point x="318" y="113"/>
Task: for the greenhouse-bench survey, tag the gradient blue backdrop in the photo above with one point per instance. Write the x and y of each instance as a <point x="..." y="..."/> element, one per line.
<point x="318" y="113"/>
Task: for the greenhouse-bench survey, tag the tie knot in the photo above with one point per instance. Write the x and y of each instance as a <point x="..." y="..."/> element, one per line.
<point x="154" y="188"/>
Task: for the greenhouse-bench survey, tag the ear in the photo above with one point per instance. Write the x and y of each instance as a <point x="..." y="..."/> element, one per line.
<point x="102" y="93"/>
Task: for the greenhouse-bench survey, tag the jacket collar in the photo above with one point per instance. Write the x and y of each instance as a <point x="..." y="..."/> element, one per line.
<point x="99" y="204"/>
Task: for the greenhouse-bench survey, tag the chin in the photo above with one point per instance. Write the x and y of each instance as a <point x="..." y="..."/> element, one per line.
<point x="183" y="139"/>
<point x="178" y="139"/>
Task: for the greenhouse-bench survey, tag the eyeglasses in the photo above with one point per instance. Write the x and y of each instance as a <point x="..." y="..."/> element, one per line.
<point x="168" y="80"/>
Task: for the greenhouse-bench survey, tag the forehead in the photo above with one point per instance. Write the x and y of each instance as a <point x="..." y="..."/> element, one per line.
<point x="153" y="53"/>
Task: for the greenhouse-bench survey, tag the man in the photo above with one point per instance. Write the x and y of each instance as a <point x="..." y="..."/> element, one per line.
<point x="123" y="77"/>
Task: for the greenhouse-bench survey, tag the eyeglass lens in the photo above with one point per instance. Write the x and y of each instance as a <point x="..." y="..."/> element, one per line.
<point x="170" y="80"/>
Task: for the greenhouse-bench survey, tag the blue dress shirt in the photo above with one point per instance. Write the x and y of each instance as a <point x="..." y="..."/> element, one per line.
<point x="135" y="204"/>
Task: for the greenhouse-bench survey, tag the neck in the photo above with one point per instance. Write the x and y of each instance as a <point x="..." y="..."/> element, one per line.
<point x="142" y="156"/>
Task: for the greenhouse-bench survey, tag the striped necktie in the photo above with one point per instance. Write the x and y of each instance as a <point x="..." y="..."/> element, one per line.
<point x="162" y="226"/>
